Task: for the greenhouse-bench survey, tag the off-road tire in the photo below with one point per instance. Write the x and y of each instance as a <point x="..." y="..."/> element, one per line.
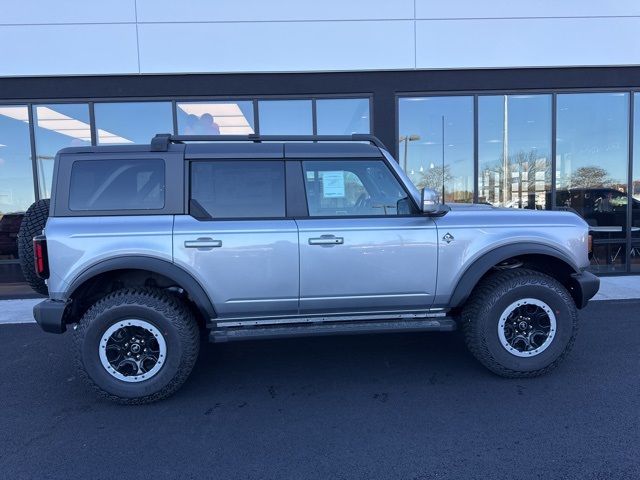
<point x="164" y="311"/>
<point x="489" y="300"/>
<point x="32" y="224"/>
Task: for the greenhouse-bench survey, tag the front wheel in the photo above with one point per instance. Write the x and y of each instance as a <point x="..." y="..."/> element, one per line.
<point x="520" y="323"/>
<point x="137" y="345"/>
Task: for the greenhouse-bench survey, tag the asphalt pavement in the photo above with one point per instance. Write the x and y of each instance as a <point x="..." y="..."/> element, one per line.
<point x="406" y="406"/>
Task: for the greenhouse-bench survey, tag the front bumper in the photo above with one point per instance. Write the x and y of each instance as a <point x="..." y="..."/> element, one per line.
<point x="50" y="316"/>
<point x="584" y="285"/>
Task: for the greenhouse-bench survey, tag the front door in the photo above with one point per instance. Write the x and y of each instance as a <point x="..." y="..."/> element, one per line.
<point x="364" y="245"/>
<point x="237" y="241"/>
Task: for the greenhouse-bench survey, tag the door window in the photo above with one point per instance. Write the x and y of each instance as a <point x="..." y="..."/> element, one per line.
<point x="354" y="188"/>
<point x="237" y="189"/>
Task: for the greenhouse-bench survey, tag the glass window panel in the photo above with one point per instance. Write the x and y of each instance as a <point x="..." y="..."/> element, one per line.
<point x="58" y="126"/>
<point x="285" y="117"/>
<point x="238" y="188"/>
<point x="16" y="177"/>
<point x="592" y="169"/>
<point x="121" y="123"/>
<point x="634" y="254"/>
<point x="215" y="118"/>
<point x="514" y="150"/>
<point x="117" y="185"/>
<point x="342" y="116"/>
<point x="428" y="160"/>
<point x="353" y="188"/>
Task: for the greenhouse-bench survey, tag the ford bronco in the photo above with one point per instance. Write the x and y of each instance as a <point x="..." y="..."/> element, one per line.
<point x="147" y="249"/>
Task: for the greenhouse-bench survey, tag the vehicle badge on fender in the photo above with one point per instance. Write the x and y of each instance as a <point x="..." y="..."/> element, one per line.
<point x="448" y="238"/>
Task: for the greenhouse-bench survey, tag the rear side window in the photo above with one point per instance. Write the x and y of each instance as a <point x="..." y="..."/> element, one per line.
<point x="117" y="185"/>
<point x="237" y="189"/>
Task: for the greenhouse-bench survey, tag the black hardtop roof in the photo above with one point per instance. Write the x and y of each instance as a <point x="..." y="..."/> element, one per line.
<point x="249" y="146"/>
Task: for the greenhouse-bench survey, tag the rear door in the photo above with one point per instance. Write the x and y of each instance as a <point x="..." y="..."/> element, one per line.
<point x="237" y="239"/>
<point x="363" y="246"/>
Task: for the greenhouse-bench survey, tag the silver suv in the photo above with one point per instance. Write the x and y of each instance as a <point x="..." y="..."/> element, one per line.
<point x="148" y="248"/>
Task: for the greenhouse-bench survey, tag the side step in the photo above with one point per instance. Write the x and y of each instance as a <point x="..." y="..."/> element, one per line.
<point x="229" y="334"/>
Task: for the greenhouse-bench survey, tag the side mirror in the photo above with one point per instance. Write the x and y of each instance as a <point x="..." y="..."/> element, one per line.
<point x="430" y="203"/>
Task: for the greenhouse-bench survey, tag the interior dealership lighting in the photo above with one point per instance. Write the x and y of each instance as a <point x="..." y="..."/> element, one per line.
<point x="60" y="123"/>
<point x="227" y="116"/>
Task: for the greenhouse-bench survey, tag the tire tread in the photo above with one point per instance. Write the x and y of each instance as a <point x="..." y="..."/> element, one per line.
<point x="168" y="305"/>
<point x="489" y="291"/>
<point x="32" y="224"/>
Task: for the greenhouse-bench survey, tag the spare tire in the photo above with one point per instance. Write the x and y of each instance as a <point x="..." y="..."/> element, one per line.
<point x="33" y="222"/>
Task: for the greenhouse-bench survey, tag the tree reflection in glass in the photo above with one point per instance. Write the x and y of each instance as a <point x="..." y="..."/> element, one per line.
<point x="514" y="148"/>
<point x="438" y="150"/>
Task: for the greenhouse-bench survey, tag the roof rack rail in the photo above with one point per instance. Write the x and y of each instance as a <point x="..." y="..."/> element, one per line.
<point x="161" y="142"/>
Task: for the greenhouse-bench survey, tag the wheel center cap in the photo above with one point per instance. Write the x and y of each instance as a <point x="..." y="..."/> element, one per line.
<point x="135" y="348"/>
<point x="523" y="325"/>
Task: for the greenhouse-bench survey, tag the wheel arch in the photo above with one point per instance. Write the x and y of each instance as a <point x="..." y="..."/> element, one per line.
<point x="155" y="268"/>
<point x="535" y="256"/>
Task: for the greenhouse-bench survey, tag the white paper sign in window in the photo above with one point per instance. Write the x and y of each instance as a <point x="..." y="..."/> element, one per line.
<point x="333" y="184"/>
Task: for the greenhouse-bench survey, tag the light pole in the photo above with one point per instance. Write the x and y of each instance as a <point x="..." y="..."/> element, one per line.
<point x="406" y="139"/>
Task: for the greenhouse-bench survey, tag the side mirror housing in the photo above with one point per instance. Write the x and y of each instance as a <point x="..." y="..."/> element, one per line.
<point x="430" y="202"/>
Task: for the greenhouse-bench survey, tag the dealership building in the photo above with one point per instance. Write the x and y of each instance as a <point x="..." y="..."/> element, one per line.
<point x="518" y="104"/>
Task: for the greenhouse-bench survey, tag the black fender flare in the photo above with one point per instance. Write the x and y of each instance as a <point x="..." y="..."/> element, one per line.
<point x="156" y="265"/>
<point x="488" y="260"/>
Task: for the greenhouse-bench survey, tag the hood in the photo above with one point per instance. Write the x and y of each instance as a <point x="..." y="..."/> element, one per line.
<point x="480" y="213"/>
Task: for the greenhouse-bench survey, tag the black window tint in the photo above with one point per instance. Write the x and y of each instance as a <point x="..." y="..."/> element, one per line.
<point x="117" y="185"/>
<point x="354" y="188"/>
<point x="238" y="188"/>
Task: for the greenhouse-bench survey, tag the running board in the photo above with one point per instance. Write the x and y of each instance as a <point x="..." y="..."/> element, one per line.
<point x="229" y="334"/>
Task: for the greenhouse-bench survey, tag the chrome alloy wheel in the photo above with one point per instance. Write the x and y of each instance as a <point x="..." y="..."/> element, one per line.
<point x="526" y="328"/>
<point x="132" y="350"/>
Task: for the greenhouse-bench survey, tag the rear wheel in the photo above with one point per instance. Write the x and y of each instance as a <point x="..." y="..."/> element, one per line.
<point x="520" y="323"/>
<point x="137" y="345"/>
<point x="32" y="224"/>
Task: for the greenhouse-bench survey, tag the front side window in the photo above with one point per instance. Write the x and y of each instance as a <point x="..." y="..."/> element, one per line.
<point x="117" y="185"/>
<point x="354" y="188"/>
<point x="237" y="189"/>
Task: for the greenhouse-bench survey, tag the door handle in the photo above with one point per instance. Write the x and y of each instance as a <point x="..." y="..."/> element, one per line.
<point x="203" y="243"/>
<point x="326" y="240"/>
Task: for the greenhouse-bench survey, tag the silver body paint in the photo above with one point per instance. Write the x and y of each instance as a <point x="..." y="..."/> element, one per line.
<point x="268" y="268"/>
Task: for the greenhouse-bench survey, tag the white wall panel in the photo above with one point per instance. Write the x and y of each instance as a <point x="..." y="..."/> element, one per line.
<point x="426" y="9"/>
<point x="274" y="10"/>
<point x="275" y="46"/>
<point x="68" y="49"/>
<point x="521" y="43"/>
<point x="66" y="11"/>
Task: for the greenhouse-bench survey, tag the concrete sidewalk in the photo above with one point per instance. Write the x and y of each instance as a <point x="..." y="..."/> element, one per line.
<point x="611" y="288"/>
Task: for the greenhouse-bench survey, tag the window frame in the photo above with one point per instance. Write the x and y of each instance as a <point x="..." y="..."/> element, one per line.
<point x="173" y="203"/>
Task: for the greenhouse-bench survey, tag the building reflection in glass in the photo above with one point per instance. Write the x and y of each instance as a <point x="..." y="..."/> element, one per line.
<point x="436" y="144"/>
